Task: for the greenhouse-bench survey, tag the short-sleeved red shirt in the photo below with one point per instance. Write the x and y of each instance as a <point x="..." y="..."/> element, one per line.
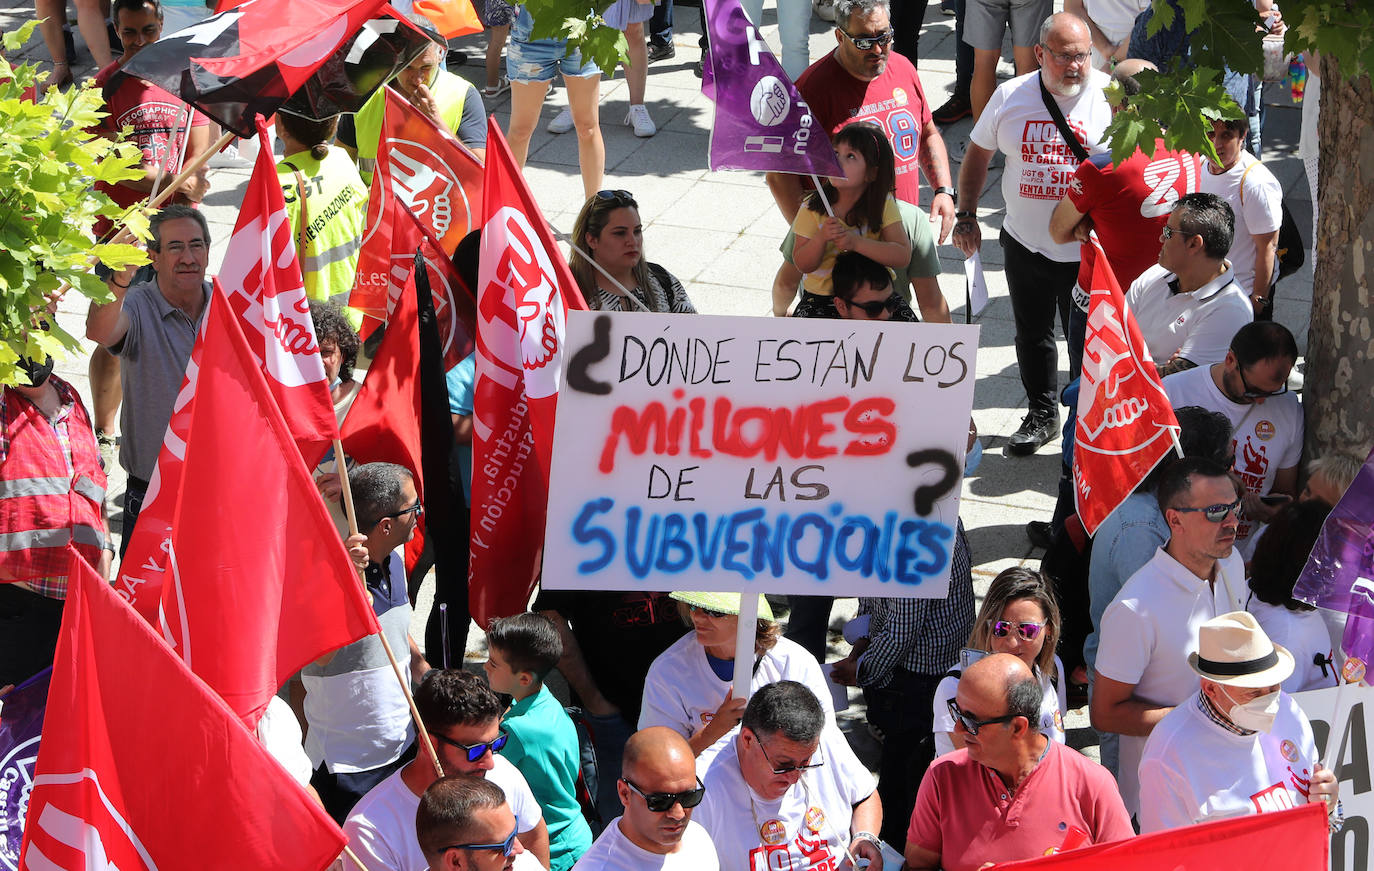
<point x="967" y="815"/>
<point x="1129" y="204"/>
<point x="894" y="101"/>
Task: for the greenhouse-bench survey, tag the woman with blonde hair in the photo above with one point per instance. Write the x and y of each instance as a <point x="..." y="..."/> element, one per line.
<point x="688" y="685"/>
<point x="1020" y="616"/>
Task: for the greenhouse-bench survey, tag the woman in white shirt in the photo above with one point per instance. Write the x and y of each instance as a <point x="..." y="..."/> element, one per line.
<point x="1020" y="616"/>
<point x="688" y="685"/>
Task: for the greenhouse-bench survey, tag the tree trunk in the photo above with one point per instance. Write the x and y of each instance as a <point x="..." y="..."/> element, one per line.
<point x="1339" y="393"/>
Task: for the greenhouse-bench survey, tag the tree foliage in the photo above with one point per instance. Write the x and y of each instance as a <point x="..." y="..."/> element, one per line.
<point x="49" y="161"/>
<point x="581" y="24"/>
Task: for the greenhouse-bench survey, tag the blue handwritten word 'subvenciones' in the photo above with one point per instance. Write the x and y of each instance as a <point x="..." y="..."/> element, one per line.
<point x="754" y="542"/>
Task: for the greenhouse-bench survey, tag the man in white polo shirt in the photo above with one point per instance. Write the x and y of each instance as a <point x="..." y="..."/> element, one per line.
<point x="1151" y="626"/>
<point x="1240" y="746"/>
<point x="1189" y="306"/>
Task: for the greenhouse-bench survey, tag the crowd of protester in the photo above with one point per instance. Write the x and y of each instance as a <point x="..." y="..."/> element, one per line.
<point x="1177" y="619"/>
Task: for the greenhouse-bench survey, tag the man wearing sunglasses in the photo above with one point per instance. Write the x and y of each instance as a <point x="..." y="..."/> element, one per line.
<point x="1011" y="793"/>
<point x="786" y="791"/>
<point x="1250" y="387"/>
<point x="1150" y="628"/>
<point x="465" y="824"/>
<point x="659" y="789"/>
<point x="463" y="717"/>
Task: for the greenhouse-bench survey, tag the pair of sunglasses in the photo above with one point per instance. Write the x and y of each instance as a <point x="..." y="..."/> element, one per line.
<point x="970" y="724"/>
<point x="877" y="306"/>
<point x="662" y="802"/>
<point x="1003" y="628"/>
<point x="507" y="847"/>
<point x="614" y="196"/>
<point x="865" y="43"/>
<point x="707" y="612"/>
<point x="1215" y="513"/>
<point x="476" y="751"/>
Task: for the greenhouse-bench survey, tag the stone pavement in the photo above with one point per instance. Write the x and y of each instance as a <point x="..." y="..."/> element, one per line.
<point x="718" y="232"/>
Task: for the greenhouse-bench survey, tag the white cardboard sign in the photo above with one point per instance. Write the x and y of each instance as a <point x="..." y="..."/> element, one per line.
<point x="768" y="455"/>
<point x="1350" y="847"/>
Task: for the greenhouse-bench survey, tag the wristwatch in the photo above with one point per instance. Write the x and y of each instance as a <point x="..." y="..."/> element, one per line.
<point x="945" y="189"/>
<point x="966" y="216"/>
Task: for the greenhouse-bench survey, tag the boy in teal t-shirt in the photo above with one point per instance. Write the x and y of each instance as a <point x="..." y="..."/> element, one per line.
<point x="542" y="738"/>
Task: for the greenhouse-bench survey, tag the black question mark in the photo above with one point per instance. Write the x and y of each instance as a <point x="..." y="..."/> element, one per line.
<point x="926" y="494"/>
<point x="598" y="350"/>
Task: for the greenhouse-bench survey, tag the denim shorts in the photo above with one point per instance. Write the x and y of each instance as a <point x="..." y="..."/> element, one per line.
<point x="539" y="60"/>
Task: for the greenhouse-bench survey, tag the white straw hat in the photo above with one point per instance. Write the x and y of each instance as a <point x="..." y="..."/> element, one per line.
<point x="1233" y="650"/>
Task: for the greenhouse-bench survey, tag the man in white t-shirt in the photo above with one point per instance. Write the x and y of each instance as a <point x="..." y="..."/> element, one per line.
<point x="1039" y="164"/>
<point x="464" y="823"/>
<point x="1189" y="306"/>
<point x="659" y="789"/>
<point x="463" y="718"/>
<point x="1257" y="199"/>
<point x="1240" y="746"/>
<point x="786" y="791"/>
<point x="1151" y="626"/>
<point x="1250" y="387"/>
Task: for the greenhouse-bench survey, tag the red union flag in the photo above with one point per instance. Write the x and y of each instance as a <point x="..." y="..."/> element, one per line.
<point x="1125" y="422"/>
<point x="143" y="767"/>
<point x="432" y="175"/>
<point x="524" y="291"/>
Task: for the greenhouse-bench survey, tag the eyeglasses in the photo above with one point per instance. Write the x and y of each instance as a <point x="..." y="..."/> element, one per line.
<point x="662" y="802"/>
<point x="971" y="725"/>
<point x="623" y="196"/>
<point x="507" y="847"/>
<point x="1166" y="232"/>
<point x="875" y="307"/>
<point x="1215" y="513"/>
<point x="417" y="509"/>
<point x="707" y="612"/>
<point x="866" y="43"/>
<point x="1252" y="393"/>
<point x="1063" y="58"/>
<point x="787" y="769"/>
<point x="476" y="751"/>
<point x="1003" y="628"/>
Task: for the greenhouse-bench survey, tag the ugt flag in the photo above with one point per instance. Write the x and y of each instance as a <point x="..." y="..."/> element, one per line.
<point x="21" y="726"/>
<point x="143" y="767"/>
<point x="1125" y="422"/>
<point x="316" y="58"/>
<point x="524" y="291"/>
<point x="1339" y="574"/>
<point x="761" y="122"/>
<point x="245" y="576"/>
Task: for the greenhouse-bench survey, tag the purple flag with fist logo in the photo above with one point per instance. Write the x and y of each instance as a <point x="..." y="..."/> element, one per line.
<point x="761" y="122"/>
<point x="21" y="723"/>
<point x="1340" y="571"/>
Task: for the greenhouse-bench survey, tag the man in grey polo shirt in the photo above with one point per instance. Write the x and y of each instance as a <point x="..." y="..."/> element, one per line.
<point x="151" y="327"/>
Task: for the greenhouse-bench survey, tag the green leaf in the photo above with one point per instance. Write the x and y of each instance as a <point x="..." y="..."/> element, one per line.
<point x="15" y="40"/>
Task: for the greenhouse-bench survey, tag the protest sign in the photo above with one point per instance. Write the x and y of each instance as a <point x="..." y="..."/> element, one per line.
<point x="1351" y="762"/>
<point x="778" y="455"/>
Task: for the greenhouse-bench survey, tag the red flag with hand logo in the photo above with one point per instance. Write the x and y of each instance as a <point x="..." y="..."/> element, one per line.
<point x="1125" y="422"/>
<point x="433" y="175"/>
<point x="143" y="767"/>
<point x="524" y="291"/>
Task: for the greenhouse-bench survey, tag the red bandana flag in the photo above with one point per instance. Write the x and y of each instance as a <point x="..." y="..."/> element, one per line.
<point x="437" y="179"/>
<point x="241" y="569"/>
<point x="142" y="767"/>
<point x="524" y="292"/>
<point x="1125" y="422"/>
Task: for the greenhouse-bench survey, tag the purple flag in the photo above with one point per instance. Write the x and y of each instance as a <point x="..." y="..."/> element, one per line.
<point x="761" y="122"/>
<point x="1340" y="570"/>
<point x="21" y="723"/>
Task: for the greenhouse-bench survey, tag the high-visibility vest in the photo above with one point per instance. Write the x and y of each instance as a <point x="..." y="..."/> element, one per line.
<point x="449" y="93"/>
<point x="43" y="506"/>
<point x="336" y="213"/>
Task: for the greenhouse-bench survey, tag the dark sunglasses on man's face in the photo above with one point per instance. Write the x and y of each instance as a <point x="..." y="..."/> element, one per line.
<point x="507" y="847"/>
<point x="875" y="307"/>
<point x="1215" y="513"/>
<point x="662" y="802"/>
<point x="969" y="723"/>
<point x="417" y="509"/>
<point x="865" y="43"/>
<point x="476" y="751"/>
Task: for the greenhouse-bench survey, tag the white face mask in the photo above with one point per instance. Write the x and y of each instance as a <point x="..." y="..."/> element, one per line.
<point x="1257" y="714"/>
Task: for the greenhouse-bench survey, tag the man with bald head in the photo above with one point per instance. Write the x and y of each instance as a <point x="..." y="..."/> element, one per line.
<point x="659" y="788"/>
<point x="1010" y="793"/>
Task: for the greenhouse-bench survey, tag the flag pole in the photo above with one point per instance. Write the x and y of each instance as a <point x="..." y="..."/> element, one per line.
<point x="344" y="489"/>
<point x="745" y="632"/>
<point x="353" y="857"/>
<point x="619" y="289"/>
<point x="821" y="193"/>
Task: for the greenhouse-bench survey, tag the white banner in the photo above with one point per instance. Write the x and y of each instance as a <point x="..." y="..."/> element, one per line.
<point x="1350" y="761"/>
<point x="769" y="455"/>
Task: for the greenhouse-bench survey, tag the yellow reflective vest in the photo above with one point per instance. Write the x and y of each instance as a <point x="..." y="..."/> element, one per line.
<point x="336" y="209"/>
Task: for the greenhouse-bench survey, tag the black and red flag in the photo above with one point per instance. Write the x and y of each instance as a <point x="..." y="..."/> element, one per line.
<point x="314" y="58"/>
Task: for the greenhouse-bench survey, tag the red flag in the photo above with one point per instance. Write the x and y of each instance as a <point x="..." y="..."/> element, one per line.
<point x="1297" y="838"/>
<point x="1125" y="422"/>
<point x="261" y="277"/>
<point x="437" y="178"/>
<point x="452" y="18"/>
<point x="142" y="766"/>
<point x="525" y="290"/>
<point x="245" y="575"/>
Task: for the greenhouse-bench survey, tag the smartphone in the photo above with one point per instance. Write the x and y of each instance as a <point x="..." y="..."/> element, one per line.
<point x="1276" y="499"/>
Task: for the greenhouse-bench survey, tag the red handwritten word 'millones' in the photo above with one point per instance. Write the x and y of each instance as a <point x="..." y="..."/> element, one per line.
<point x="800" y="432"/>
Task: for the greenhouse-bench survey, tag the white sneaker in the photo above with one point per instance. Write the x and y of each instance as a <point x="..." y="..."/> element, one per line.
<point x="562" y="122"/>
<point x="825" y="9"/>
<point x="638" y="117"/>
